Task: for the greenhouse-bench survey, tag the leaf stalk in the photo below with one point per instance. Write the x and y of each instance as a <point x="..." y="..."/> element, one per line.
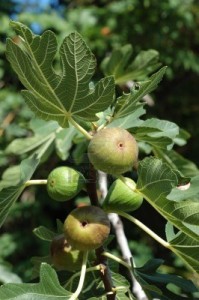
<point x="80" y="128"/>
<point x="145" y="228"/>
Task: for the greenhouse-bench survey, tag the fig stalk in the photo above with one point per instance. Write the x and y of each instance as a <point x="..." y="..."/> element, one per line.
<point x="82" y="277"/>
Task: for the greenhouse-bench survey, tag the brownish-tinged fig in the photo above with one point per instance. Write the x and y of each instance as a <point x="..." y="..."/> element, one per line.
<point x="113" y="151"/>
<point x="64" y="183"/>
<point x="63" y="256"/>
<point x="86" y="228"/>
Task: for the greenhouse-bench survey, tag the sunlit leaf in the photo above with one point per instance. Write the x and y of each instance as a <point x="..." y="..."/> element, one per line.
<point x="52" y="96"/>
<point x="187" y="191"/>
<point x="155" y="182"/>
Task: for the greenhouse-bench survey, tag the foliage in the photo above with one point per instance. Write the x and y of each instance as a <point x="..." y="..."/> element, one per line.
<point x="72" y="108"/>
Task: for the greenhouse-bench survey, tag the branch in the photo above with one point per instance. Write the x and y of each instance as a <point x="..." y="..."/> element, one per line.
<point x="121" y="238"/>
<point x="102" y="260"/>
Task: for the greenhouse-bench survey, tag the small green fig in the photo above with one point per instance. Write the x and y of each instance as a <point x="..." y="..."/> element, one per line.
<point x="121" y="196"/>
<point x="86" y="228"/>
<point x="113" y="151"/>
<point x="64" y="183"/>
<point x="63" y="256"/>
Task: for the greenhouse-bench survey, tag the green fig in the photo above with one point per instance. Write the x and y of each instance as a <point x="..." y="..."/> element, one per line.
<point x="113" y="151"/>
<point x="86" y="228"/>
<point x="122" y="196"/>
<point x="63" y="256"/>
<point x="64" y="183"/>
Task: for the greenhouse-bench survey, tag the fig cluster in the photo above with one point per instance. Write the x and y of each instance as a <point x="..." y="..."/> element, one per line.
<point x="113" y="151"/>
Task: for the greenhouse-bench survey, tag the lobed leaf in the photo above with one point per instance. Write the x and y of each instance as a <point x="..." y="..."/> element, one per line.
<point x="48" y="288"/>
<point x="155" y="182"/>
<point x="50" y="95"/>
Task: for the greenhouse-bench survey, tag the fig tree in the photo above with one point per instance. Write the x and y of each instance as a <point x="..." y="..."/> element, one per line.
<point x="64" y="183"/>
<point x="63" y="256"/>
<point x="113" y="150"/>
<point x="86" y="228"/>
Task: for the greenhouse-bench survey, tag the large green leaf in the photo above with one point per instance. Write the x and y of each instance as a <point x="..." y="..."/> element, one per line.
<point x="128" y="103"/>
<point x="155" y="182"/>
<point x="48" y="288"/>
<point x="52" y="96"/>
<point x="119" y="64"/>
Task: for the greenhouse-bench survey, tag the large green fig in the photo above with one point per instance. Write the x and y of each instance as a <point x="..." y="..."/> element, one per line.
<point x="121" y="196"/>
<point x="63" y="256"/>
<point x="64" y="183"/>
<point x="86" y="228"/>
<point x="113" y="150"/>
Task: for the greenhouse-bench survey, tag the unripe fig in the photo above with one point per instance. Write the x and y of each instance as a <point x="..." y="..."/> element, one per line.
<point x="113" y="150"/>
<point x="121" y="196"/>
<point x="64" y="183"/>
<point x="86" y="228"/>
<point x="63" y="256"/>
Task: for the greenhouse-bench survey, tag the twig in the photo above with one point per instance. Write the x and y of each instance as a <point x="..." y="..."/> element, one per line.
<point x="104" y="272"/>
<point x="121" y="239"/>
